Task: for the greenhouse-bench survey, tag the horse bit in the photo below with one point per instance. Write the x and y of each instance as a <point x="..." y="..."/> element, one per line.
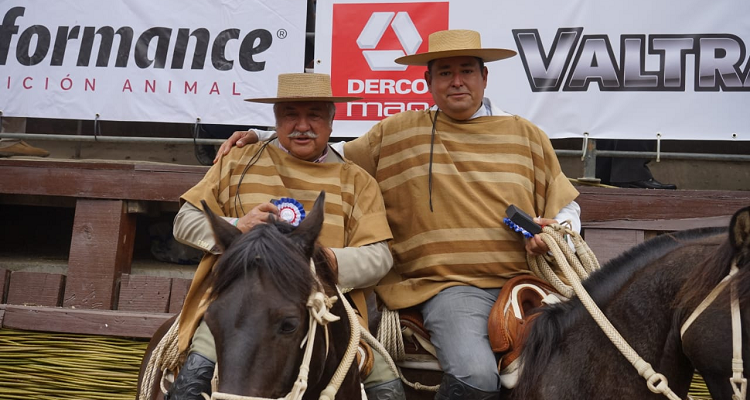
<point x="319" y="306"/>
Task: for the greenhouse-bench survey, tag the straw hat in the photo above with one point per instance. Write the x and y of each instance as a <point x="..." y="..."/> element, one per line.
<point x="455" y="43"/>
<point x="303" y="87"/>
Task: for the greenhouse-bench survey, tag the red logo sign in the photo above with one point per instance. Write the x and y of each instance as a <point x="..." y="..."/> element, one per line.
<point x="366" y="40"/>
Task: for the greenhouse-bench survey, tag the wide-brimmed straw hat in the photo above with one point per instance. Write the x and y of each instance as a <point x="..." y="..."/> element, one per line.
<point x="455" y="43"/>
<point x="303" y="87"/>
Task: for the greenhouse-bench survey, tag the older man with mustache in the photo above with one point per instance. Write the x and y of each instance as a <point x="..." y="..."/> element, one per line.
<point x="245" y="187"/>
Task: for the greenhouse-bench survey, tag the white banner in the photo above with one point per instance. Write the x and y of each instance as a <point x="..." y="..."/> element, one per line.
<point x="146" y="60"/>
<point x="629" y="70"/>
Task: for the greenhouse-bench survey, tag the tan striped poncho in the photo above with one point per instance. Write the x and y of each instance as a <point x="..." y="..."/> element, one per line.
<point x="354" y="213"/>
<point x="480" y="166"/>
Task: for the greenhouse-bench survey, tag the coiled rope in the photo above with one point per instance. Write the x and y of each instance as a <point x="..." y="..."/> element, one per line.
<point x="165" y="358"/>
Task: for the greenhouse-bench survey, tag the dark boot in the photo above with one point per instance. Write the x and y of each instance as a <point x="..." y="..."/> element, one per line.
<point x="391" y="390"/>
<point x="194" y="378"/>
<point x="453" y="389"/>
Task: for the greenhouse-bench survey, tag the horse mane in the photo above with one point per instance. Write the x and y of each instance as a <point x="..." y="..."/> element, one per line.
<point x="550" y="327"/>
<point x="267" y="246"/>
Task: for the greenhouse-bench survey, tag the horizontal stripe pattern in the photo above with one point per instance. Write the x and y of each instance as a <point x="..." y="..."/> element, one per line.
<point x="479" y="167"/>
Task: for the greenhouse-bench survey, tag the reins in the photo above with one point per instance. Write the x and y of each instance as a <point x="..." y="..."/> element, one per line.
<point x="737" y="381"/>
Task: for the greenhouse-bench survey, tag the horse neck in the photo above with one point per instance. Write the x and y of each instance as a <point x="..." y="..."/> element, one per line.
<point x="338" y="341"/>
<point x="640" y="308"/>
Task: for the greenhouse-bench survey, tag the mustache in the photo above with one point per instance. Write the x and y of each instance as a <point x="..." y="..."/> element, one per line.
<point x="308" y="134"/>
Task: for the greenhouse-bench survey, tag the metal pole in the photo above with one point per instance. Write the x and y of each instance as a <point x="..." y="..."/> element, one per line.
<point x="589" y="162"/>
<point x="109" y="139"/>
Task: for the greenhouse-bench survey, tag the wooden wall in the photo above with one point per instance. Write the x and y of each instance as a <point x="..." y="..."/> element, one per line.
<point x="99" y="295"/>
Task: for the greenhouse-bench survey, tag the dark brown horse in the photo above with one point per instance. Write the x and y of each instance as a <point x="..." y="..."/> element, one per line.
<point x="259" y="311"/>
<point x="647" y="293"/>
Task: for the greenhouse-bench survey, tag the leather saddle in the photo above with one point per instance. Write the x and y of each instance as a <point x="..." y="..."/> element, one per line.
<point x="508" y="326"/>
<point x="511" y="317"/>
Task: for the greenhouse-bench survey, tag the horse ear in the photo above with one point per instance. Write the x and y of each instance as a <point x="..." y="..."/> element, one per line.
<point x="308" y="230"/>
<point x="739" y="229"/>
<point x="224" y="232"/>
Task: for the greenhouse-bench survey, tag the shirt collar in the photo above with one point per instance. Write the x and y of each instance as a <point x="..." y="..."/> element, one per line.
<point x="486" y="109"/>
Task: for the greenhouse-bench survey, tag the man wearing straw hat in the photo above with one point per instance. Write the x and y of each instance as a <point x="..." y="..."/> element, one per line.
<point x="293" y="167"/>
<point x="447" y="174"/>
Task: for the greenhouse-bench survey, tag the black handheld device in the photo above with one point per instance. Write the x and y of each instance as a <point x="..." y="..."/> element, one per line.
<point x="522" y="220"/>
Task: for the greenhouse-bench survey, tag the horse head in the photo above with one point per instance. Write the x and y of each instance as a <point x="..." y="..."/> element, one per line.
<point x="259" y="310"/>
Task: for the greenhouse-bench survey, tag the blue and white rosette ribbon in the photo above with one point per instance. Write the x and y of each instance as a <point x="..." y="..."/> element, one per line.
<point x="290" y="210"/>
<point x="517" y="228"/>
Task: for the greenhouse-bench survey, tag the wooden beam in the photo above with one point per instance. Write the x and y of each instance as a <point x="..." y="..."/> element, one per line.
<point x="89" y="322"/>
<point x="605" y="204"/>
<point x="101" y="250"/>
<point x="179" y="291"/>
<point x="36" y="288"/>
<point x="144" y="293"/>
<point x="661" y="224"/>
<point x="101" y="180"/>
<point x="4" y="280"/>
<point x="609" y="243"/>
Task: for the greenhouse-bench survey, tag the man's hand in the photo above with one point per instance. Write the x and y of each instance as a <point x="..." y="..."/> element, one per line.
<point x="535" y="245"/>
<point x="238" y="138"/>
<point x="258" y="215"/>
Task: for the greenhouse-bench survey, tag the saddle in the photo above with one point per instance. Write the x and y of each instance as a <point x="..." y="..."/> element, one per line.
<point x="508" y="325"/>
<point x="511" y="317"/>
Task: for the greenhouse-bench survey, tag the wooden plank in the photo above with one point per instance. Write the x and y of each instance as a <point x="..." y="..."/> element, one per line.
<point x="663" y="225"/>
<point x="180" y="288"/>
<point x="609" y="243"/>
<point x="4" y="280"/>
<point x="144" y="293"/>
<point x="36" y="288"/>
<point x="90" y="322"/>
<point x="101" y="250"/>
<point x="103" y="180"/>
<point x="605" y="204"/>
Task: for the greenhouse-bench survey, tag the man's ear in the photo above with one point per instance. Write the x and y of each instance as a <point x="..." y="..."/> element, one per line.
<point x="224" y="232"/>
<point x="308" y="230"/>
<point x="428" y="79"/>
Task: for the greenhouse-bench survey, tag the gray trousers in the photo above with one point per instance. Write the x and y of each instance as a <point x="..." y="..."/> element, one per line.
<point x="457" y="321"/>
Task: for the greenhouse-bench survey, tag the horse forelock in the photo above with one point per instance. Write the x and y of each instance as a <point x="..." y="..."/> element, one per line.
<point x="553" y="322"/>
<point x="266" y="248"/>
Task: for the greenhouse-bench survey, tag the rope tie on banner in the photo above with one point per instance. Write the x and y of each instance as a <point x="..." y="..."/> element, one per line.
<point x="196" y="130"/>
<point x="1" y="120"/>
<point x="585" y="145"/>
<point x="658" y="146"/>
<point x="97" y="127"/>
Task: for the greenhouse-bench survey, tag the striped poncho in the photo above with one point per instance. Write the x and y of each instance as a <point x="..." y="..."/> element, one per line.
<point x="354" y="213"/>
<point x="479" y="167"/>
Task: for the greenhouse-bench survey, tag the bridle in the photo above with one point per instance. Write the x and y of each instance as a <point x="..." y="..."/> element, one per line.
<point x="737" y="381"/>
<point x="319" y="306"/>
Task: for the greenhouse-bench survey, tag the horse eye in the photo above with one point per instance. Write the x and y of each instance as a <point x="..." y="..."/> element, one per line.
<point x="289" y="325"/>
